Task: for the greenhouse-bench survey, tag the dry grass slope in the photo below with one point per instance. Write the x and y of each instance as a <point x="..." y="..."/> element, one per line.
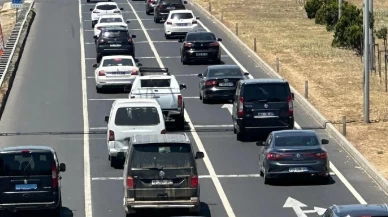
<point x="335" y="76"/>
<point x="7" y="20"/>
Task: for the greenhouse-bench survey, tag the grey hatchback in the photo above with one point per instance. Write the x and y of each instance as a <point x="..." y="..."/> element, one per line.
<point x="357" y="210"/>
<point x="160" y="172"/>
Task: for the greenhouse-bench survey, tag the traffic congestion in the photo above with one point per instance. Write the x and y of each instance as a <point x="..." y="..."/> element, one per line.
<point x="173" y="105"/>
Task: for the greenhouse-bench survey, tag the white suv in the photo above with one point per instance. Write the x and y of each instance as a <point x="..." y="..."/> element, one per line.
<point x="130" y="117"/>
<point x="104" y="8"/>
<point x="179" y="23"/>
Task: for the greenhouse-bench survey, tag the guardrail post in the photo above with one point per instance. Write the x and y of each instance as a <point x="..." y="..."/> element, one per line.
<point x="222" y="16"/>
<point x="254" y="44"/>
<point x="306" y="89"/>
<point x="277" y="64"/>
<point x="210" y="6"/>
<point x="344" y="125"/>
<point x="237" y="29"/>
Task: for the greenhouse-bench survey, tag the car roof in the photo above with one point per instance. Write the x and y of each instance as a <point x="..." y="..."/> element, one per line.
<point x="223" y="67"/>
<point x="199" y="32"/>
<point x="264" y="81"/>
<point x="117" y="56"/>
<point x="131" y="102"/>
<point x="160" y="138"/>
<point x="112" y="16"/>
<point x="27" y="147"/>
<point x="294" y="133"/>
<point x="145" y="77"/>
<point x="363" y="209"/>
<point x="106" y="3"/>
<point x="181" y="11"/>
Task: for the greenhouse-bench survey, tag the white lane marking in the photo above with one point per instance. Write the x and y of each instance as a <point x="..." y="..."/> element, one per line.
<point x="98" y="128"/>
<point x="152" y="29"/>
<point x="91" y="4"/>
<point x="166" y="57"/>
<point x="216" y="181"/>
<point x="125" y="19"/>
<point x="176" y="75"/>
<point x="123" y="12"/>
<point x="87" y="180"/>
<point x="185" y="97"/>
<point x="142" y="42"/>
<point x="213" y="126"/>
<point x="334" y="168"/>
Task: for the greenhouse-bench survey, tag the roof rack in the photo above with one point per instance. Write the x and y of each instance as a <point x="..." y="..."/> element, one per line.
<point x="153" y="71"/>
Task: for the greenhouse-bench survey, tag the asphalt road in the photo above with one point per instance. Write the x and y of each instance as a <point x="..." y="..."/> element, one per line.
<point x="54" y="93"/>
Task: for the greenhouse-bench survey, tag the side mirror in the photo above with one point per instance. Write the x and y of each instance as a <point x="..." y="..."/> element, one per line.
<point x="180" y="40"/>
<point x="325" y="141"/>
<point x="91" y="9"/>
<point x="260" y="143"/>
<point x="246" y="73"/>
<point x="133" y="36"/>
<point x="199" y="155"/>
<point x="184" y="2"/>
<point x="182" y="86"/>
<point x="95" y="37"/>
<point x="106" y="119"/>
<point x="139" y="64"/>
<point x="128" y="21"/>
<point x="200" y="75"/>
<point x="292" y="96"/>
<point x="121" y="9"/>
<point x="127" y="88"/>
<point x="197" y="18"/>
<point x="95" y="65"/>
<point x="62" y="167"/>
<point x="219" y="39"/>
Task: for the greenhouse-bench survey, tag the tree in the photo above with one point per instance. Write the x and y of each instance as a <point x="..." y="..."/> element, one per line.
<point x="312" y="6"/>
<point x="382" y="34"/>
<point x="327" y="15"/>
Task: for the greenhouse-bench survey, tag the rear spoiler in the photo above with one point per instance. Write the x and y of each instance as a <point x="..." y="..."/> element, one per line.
<point x="153" y="71"/>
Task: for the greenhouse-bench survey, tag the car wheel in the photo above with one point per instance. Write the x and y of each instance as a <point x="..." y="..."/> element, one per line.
<point x="114" y="162"/>
<point x="98" y="58"/>
<point x="200" y="95"/>
<point x="195" y="211"/>
<point x="93" y="24"/>
<point x="185" y="60"/>
<point x="267" y="180"/>
<point x="234" y="130"/>
<point x="218" y="60"/>
<point x="148" y="12"/>
<point x="180" y="122"/>
<point x="166" y="36"/>
<point x="240" y="136"/>
<point x="88" y="1"/>
<point x="325" y="180"/>
<point x="57" y="212"/>
<point x="98" y="89"/>
<point x="156" y="20"/>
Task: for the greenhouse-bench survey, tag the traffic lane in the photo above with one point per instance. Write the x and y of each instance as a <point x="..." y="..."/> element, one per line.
<point x="248" y="195"/>
<point x="69" y="149"/>
<point x="211" y="204"/>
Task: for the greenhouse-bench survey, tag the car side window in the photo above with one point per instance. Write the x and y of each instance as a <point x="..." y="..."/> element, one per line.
<point x="238" y="88"/>
<point x="269" y="140"/>
<point x="205" y="73"/>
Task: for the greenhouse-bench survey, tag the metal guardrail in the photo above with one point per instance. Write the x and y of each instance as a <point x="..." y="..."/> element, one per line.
<point x="10" y="47"/>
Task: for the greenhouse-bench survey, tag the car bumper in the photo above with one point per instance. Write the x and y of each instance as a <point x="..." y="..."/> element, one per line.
<point x="180" y="30"/>
<point x="29" y="206"/>
<point x="275" y="170"/>
<point x="115" y="51"/>
<point x="215" y="93"/>
<point x="172" y="204"/>
<point x="197" y="54"/>
<point x="114" y="83"/>
<point x="162" y="16"/>
<point x="169" y="115"/>
<point x="264" y="126"/>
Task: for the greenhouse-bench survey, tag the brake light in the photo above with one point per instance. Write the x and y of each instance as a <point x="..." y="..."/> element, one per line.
<point x="96" y="12"/>
<point x="168" y="22"/>
<point x="134" y="72"/>
<point x="130" y="183"/>
<point x="101" y="41"/>
<point x="149" y="1"/>
<point x="25" y="151"/>
<point x="111" y="135"/>
<point x="194" y="22"/>
<point x="163" y="131"/>
<point x="99" y="28"/>
<point x="290" y="106"/>
<point x="129" y="40"/>
<point x="188" y="44"/>
<point x="214" y="44"/>
<point x="54" y="175"/>
<point x="240" y="111"/>
<point x="194" y="181"/>
<point x="321" y="155"/>
<point x="211" y="83"/>
<point x="180" y="101"/>
<point x="101" y="73"/>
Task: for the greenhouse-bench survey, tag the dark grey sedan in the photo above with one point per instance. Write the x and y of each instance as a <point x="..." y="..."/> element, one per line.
<point x="218" y="82"/>
<point x="293" y="153"/>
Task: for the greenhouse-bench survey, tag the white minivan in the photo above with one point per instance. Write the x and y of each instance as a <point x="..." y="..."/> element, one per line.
<point x="130" y="117"/>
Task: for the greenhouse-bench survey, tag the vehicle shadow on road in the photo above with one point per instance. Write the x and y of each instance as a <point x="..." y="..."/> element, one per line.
<point x="301" y="182"/>
<point x="205" y="211"/>
<point x="66" y="212"/>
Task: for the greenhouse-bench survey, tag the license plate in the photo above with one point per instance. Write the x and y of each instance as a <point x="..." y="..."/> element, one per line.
<point x="229" y="84"/>
<point x="162" y="182"/>
<point x="115" y="45"/>
<point x="171" y="8"/>
<point x="182" y="24"/>
<point x="117" y="73"/>
<point x="298" y="169"/>
<point x="26" y="187"/>
<point x="201" y="54"/>
<point x="265" y="114"/>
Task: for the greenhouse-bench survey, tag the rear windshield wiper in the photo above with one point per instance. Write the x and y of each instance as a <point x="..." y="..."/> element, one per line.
<point x="267" y="100"/>
<point x="257" y="100"/>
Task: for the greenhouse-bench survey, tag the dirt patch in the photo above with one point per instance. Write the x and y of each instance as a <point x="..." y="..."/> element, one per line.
<point x="335" y="77"/>
<point x="7" y="20"/>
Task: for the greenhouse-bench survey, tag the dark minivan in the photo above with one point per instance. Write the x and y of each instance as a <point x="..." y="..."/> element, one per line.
<point x="30" y="179"/>
<point x="160" y="172"/>
<point x="262" y="106"/>
<point x="163" y="7"/>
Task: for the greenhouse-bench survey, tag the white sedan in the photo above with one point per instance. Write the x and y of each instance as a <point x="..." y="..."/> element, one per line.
<point x="104" y="8"/>
<point x="179" y="23"/>
<point x="109" y="20"/>
<point x="115" y="71"/>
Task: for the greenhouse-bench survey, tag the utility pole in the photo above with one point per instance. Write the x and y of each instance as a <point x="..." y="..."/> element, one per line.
<point x="366" y="61"/>
<point x="339" y="9"/>
<point x="371" y="39"/>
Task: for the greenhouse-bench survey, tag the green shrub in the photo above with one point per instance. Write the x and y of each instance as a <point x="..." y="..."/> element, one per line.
<point x="312" y="6"/>
<point x="327" y="15"/>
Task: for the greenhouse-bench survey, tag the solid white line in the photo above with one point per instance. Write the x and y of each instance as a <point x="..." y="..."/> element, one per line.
<point x="184" y="75"/>
<point x="141" y="42"/>
<point x="167" y="57"/>
<point x="309" y="211"/>
<point x="98" y="128"/>
<point x="153" y="29"/>
<point x="216" y="181"/>
<point x="297" y="126"/>
<point x="123" y="12"/>
<point x="213" y="126"/>
<point x="87" y="180"/>
<point x="90" y="43"/>
<point x="200" y="176"/>
<point x="185" y="97"/>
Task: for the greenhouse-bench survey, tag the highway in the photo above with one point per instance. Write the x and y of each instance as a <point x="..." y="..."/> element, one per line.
<point x="54" y="93"/>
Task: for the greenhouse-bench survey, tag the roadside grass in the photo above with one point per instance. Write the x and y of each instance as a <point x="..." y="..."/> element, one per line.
<point x="282" y="29"/>
<point x="7" y="20"/>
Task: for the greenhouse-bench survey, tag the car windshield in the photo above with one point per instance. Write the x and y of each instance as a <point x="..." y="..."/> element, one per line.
<point x="155" y="82"/>
<point x="106" y="7"/>
<point x="111" y="20"/>
<point x="115" y="34"/>
<point x="162" y="155"/>
<point x="137" y="116"/>
<point x="284" y="141"/>
<point x="117" y="62"/>
<point x="20" y="164"/>
<point x="201" y="37"/>
<point x="224" y="72"/>
<point x="179" y="16"/>
<point x="269" y="92"/>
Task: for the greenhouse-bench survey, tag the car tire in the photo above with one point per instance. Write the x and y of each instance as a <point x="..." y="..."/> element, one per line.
<point x="148" y="12"/>
<point x="156" y="20"/>
<point x="184" y="60"/>
<point x="114" y="162"/>
<point x="325" y="180"/>
<point x="98" y="58"/>
<point x="99" y="89"/>
<point x="180" y="122"/>
<point x="166" y="36"/>
<point x="57" y="212"/>
<point x="240" y="136"/>
<point x="196" y="211"/>
<point x="93" y="24"/>
<point x="88" y="1"/>
<point x="267" y="180"/>
<point x="218" y="60"/>
<point x="200" y="95"/>
<point x="234" y="130"/>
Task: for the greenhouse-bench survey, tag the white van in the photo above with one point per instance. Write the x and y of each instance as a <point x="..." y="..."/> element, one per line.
<point x="130" y="117"/>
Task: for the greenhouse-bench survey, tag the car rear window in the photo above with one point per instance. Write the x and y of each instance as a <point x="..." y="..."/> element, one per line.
<point x="115" y="34"/>
<point x="179" y="16"/>
<point x="162" y="155"/>
<point x="224" y="72"/>
<point x="201" y="37"/>
<point x="284" y="141"/>
<point x="19" y="164"/>
<point x="117" y="62"/>
<point x="270" y="92"/>
<point x="106" y="7"/>
<point x="137" y="116"/>
<point x="155" y="82"/>
<point x="111" y="20"/>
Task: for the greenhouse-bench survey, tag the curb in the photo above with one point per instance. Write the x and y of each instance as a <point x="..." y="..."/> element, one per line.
<point x="330" y="128"/>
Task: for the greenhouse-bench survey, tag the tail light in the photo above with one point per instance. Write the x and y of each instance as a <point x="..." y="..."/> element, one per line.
<point x="149" y="1"/>
<point x="321" y="155"/>
<point x="211" y="83"/>
<point x="54" y="175"/>
<point x="168" y="22"/>
<point x="111" y="135"/>
<point x="130" y="183"/>
<point x="101" y="73"/>
<point x="214" y="44"/>
<point x="99" y="28"/>
<point x="277" y="156"/>
<point x="290" y="106"/>
<point x="188" y="44"/>
<point x="240" y="111"/>
<point x="180" y="101"/>
<point x="194" y="181"/>
<point x="101" y="41"/>
<point x="96" y="12"/>
<point x="194" y="22"/>
<point x="134" y="72"/>
<point x="129" y="40"/>
<point x="163" y="131"/>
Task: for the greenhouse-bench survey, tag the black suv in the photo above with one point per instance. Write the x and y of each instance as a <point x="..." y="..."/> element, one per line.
<point x="200" y="46"/>
<point x="160" y="171"/>
<point x="114" y="41"/>
<point x="262" y="105"/>
<point x="163" y="7"/>
<point x="30" y="179"/>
